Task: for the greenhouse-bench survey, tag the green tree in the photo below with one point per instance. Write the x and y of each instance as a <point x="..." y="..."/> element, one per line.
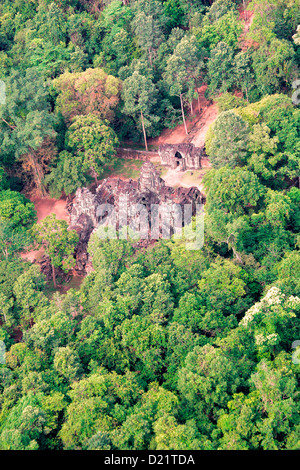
<point x="226" y="29"/>
<point x="281" y="116"/>
<point x="17" y="209"/>
<point x="169" y="435"/>
<point x="227" y="101"/>
<point x="227" y="142"/>
<point x="185" y="69"/>
<point x="17" y="215"/>
<point x="146" y="340"/>
<point x="101" y="401"/>
<point x="275" y="18"/>
<point x="220" y="8"/>
<point x="139" y="95"/>
<point x="271" y="165"/>
<point x="137" y="431"/>
<point x="117" y="45"/>
<point x="180" y="341"/>
<point x="273" y="322"/>
<point x="67" y="363"/>
<point x="66" y="176"/>
<point x="52" y="329"/>
<point x="221" y="69"/>
<point x="50" y="23"/>
<point x="288" y="273"/>
<point x="244" y="78"/>
<point x="236" y="191"/>
<point x="207" y="381"/>
<point x="89" y="92"/>
<point x="174" y="11"/>
<point x="26" y="121"/>
<point x="59" y="243"/>
<point x="264" y="419"/>
<point x="25" y="425"/>
<point x="28" y="293"/>
<point x="110" y="255"/>
<point x="274" y="66"/>
<point x="93" y="141"/>
<point x="148" y="24"/>
<point x="12" y="240"/>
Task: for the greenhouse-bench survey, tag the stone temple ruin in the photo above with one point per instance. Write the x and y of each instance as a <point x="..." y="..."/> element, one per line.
<point x="85" y="216"/>
<point x="182" y="156"/>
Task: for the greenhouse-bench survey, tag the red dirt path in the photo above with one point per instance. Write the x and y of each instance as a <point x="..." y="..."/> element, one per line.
<point x="247" y="17"/>
<point x="178" y="135"/>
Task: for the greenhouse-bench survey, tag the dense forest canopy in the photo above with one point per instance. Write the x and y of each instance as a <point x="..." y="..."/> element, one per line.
<point x="159" y="348"/>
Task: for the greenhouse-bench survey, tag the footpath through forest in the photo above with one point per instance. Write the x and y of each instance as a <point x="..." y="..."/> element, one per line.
<point x="199" y="124"/>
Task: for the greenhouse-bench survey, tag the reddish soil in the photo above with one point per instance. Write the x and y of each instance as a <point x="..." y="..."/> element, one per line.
<point x="73" y="284"/>
<point x="194" y="122"/>
<point x="172" y="136"/>
<point x="208" y="117"/>
<point x="44" y="207"/>
<point x="197" y="125"/>
<point x="47" y="206"/>
<point x="247" y="17"/>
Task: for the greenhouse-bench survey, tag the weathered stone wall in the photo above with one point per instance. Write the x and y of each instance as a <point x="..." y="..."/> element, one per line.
<point x="183" y="156"/>
<point x="132" y="154"/>
<point x="150" y="189"/>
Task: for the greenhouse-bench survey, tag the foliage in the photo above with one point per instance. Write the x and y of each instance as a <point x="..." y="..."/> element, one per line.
<point x="92" y="141"/>
<point x="228" y="140"/>
<point x="88" y="92"/>
<point x="66" y="176"/>
<point x="140" y="95"/>
<point x="159" y="347"/>
<point x="59" y="242"/>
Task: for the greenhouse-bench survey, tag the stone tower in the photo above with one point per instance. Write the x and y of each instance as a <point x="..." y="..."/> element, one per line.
<point x="149" y="179"/>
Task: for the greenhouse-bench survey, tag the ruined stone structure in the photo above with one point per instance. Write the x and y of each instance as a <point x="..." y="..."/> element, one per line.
<point x="182" y="156"/>
<point x="88" y="210"/>
<point x="149" y="179"/>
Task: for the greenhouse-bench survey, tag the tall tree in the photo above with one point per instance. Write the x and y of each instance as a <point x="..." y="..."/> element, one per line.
<point x="221" y="69"/>
<point x="93" y="141"/>
<point x="243" y="72"/>
<point x="185" y="68"/>
<point x="66" y="176"/>
<point x="59" y="243"/>
<point x="26" y="121"/>
<point x="227" y="140"/>
<point x="148" y="24"/>
<point x="140" y="96"/>
<point x="92" y="91"/>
